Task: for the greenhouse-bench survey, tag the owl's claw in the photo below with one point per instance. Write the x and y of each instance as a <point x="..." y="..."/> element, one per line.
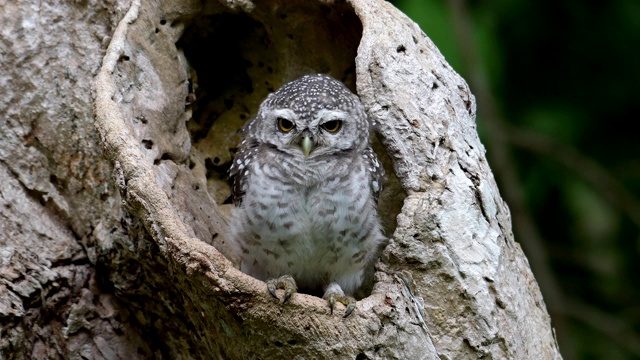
<point x="284" y="282"/>
<point x="351" y="305"/>
<point x="335" y="293"/>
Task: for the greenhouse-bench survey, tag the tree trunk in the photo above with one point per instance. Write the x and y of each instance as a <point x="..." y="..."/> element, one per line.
<point x="123" y="256"/>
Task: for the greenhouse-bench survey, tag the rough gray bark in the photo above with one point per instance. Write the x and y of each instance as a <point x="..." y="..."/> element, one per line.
<point x="125" y="258"/>
<point x="58" y="207"/>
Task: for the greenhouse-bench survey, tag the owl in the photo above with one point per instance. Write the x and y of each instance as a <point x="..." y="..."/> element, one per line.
<point x="305" y="186"/>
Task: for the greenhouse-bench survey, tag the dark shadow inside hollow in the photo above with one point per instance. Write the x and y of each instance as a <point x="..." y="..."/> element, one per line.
<point x="237" y="59"/>
<point x="212" y="44"/>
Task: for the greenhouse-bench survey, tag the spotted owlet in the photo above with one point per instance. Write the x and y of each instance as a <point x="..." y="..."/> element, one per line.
<point x="306" y="183"/>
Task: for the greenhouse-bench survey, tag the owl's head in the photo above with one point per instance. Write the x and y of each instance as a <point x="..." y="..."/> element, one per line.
<point x="313" y="116"/>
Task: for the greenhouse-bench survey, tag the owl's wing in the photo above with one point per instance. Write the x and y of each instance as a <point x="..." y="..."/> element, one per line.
<point x="239" y="170"/>
<point x="376" y="172"/>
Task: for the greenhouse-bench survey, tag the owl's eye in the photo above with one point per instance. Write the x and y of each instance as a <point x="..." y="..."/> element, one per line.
<point x="332" y="126"/>
<point x="285" y="125"/>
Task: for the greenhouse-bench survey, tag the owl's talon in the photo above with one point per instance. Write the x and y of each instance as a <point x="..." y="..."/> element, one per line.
<point x="351" y="305"/>
<point x="288" y="292"/>
<point x="332" y="302"/>
<point x="284" y="282"/>
<point x="272" y="289"/>
<point x="334" y="293"/>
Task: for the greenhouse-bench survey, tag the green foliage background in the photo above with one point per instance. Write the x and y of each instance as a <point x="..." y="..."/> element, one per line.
<point x="557" y="85"/>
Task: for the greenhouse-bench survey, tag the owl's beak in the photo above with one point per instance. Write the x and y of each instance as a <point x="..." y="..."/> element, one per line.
<point x="307" y="145"/>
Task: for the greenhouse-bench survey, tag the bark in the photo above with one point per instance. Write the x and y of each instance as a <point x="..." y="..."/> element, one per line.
<point x="123" y="253"/>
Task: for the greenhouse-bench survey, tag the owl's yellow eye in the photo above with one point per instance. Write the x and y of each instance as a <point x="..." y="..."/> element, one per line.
<point x="332" y="126"/>
<point x="285" y="125"/>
